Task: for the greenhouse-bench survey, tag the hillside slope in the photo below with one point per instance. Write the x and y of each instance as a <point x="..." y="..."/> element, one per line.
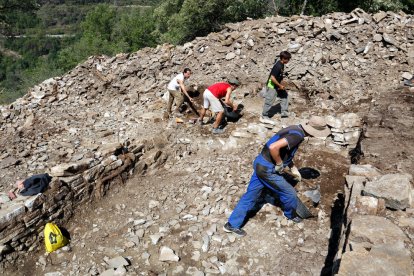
<point x="344" y="66"/>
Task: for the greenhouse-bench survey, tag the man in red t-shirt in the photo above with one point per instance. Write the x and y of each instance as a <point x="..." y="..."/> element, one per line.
<point x="212" y="96"/>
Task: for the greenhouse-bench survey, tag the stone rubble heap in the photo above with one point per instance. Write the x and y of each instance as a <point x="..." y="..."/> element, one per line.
<point x="106" y="97"/>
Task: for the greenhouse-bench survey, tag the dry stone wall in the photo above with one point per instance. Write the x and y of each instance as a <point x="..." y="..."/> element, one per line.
<point x="372" y="241"/>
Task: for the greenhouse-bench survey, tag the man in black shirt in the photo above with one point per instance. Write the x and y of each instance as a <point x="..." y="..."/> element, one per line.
<point x="269" y="176"/>
<point x="276" y="89"/>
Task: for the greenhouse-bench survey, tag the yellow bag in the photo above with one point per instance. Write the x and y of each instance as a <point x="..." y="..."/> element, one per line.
<point x="53" y="237"/>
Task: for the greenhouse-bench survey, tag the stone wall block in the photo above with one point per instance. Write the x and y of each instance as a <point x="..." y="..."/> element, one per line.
<point x="71" y="168"/>
<point x="368" y="171"/>
<point x="10" y="211"/>
<point x="34" y="202"/>
<point x="395" y="189"/>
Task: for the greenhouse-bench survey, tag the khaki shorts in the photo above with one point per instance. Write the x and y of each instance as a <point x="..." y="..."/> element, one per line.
<point x="211" y="100"/>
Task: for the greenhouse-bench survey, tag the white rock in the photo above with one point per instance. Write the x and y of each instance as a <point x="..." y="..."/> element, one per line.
<point x="239" y="133"/>
<point x="206" y="243"/>
<point x="407" y="76"/>
<point x="364" y="170"/>
<point x="350" y="120"/>
<point x="377" y="37"/>
<point x="56" y="273"/>
<point x="117" y="262"/>
<point x="333" y="122"/>
<point x="196" y="256"/>
<point x="153" y="204"/>
<point x="168" y="255"/>
<point x="230" y="56"/>
<point x="155" y="238"/>
<point x="250" y="42"/>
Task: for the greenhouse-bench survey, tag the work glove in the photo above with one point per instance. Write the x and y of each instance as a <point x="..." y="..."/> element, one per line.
<point x="296" y="174"/>
<point x="279" y="167"/>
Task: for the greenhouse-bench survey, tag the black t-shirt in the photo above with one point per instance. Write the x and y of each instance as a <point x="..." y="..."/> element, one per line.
<point x="277" y="71"/>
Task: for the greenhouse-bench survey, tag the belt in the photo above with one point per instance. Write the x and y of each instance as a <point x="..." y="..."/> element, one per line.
<point x="266" y="155"/>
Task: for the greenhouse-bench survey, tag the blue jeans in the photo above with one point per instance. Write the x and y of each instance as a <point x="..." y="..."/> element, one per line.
<point x="264" y="175"/>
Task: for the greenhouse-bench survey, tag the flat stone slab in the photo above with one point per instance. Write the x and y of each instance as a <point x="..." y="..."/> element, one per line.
<point x="69" y="169"/>
<point x="241" y="134"/>
<point x="364" y="170"/>
<point x="384" y="259"/>
<point x="117" y="262"/>
<point x="10" y="211"/>
<point x="395" y="189"/>
<point x="8" y="162"/>
<point x="168" y="255"/>
<point x="375" y="230"/>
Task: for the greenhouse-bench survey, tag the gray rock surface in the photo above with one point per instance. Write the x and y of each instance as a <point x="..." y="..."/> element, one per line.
<point x="375" y="230"/>
<point x="395" y="189"/>
<point x="384" y="259"/>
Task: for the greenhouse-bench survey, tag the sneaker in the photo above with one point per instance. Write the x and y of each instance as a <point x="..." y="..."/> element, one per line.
<point x="284" y="115"/>
<point x="266" y="120"/>
<point x="409" y="83"/>
<point x="211" y="120"/>
<point x="217" y="131"/>
<point x="297" y="219"/>
<point x="229" y="229"/>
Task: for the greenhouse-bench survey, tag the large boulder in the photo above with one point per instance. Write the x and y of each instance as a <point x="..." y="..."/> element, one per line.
<point x="395" y="189"/>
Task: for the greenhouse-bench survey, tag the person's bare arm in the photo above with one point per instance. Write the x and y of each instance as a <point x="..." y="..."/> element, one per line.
<point x="227" y="100"/>
<point x="183" y="90"/>
<point x="274" y="80"/>
<point x="275" y="150"/>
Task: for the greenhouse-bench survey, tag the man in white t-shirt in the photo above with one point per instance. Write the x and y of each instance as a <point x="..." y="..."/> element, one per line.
<point x="177" y="90"/>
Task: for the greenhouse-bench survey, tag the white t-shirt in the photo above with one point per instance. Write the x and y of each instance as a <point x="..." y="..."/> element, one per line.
<point x="174" y="85"/>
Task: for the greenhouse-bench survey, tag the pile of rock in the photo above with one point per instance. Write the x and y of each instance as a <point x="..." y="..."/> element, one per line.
<point x="375" y="235"/>
<point x="106" y="97"/>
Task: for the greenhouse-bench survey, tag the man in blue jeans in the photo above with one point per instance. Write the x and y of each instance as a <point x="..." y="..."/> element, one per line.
<point x="268" y="166"/>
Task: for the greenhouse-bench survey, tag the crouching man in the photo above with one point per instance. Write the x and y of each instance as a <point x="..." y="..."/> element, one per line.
<point x="268" y="167"/>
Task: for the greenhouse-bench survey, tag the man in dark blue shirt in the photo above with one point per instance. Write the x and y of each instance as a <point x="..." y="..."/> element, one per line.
<point x="274" y="88"/>
<point x="268" y="173"/>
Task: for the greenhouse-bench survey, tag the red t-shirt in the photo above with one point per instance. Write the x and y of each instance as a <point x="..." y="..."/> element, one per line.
<point x="219" y="90"/>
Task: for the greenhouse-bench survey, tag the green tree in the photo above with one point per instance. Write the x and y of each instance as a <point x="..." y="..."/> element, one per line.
<point x="376" y="5"/>
<point x="178" y="21"/>
<point x="136" y="29"/>
<point x="13" y="12"/>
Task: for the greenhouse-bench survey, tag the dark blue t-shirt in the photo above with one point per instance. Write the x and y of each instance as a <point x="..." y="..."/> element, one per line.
<point x="294" y="135"/>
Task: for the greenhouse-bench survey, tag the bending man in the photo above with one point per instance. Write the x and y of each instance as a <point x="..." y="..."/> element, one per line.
<point x="177" y="90"/>
<point x="268" y="166"/>
<point x="212" y="96"/>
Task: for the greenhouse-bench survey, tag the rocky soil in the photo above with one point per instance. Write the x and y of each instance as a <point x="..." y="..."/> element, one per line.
<point x="167" y="218"/>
